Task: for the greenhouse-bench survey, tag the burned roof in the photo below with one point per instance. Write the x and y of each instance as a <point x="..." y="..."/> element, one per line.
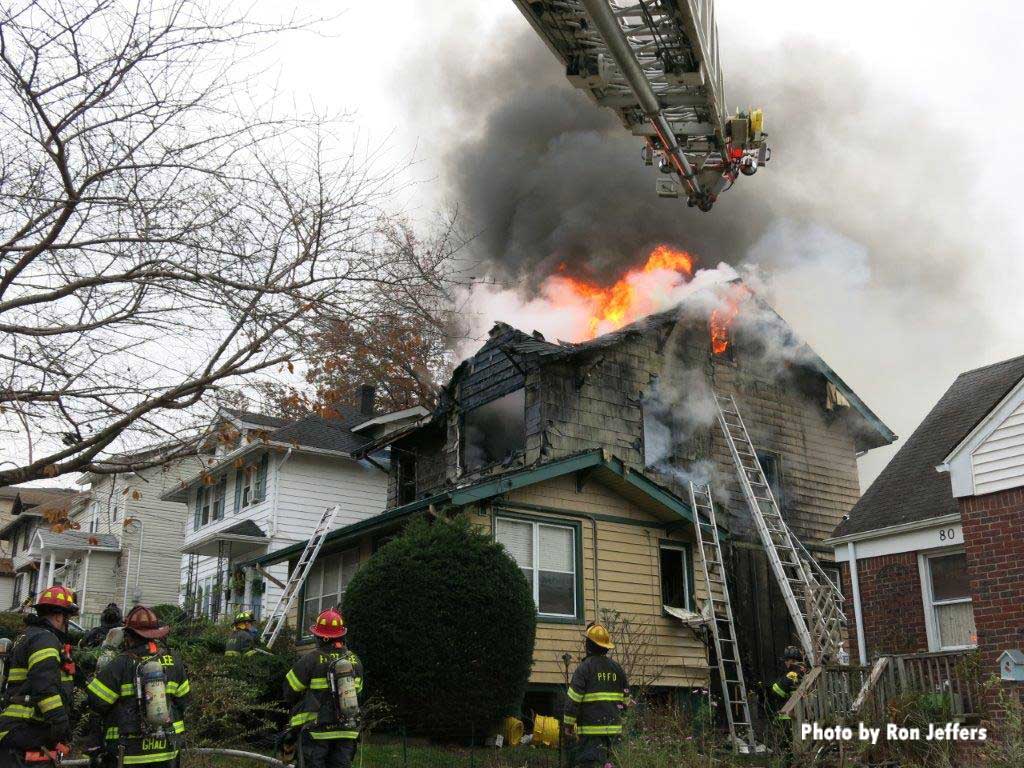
<point x="910" y="489"/>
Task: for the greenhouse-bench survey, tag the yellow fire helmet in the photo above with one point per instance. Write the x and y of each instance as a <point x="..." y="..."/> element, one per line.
<point x="598" y="635"/>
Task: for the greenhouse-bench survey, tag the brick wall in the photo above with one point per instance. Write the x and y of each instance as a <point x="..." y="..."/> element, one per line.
<point x="890" y="594"/>
<point x="994" y="540"/>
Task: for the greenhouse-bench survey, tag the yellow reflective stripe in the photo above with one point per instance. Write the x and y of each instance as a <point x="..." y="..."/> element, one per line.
<point x="569" y="720"/>
<point x="232" y="653"/>
<point x="319" y="684"/>
<point x="250" y="652"/>
<point x="599" y="730"/>
<point x="66" y="678"/>
<point x="17" y="710"/>
<point x="112" y="733"/>
<point x="325" y="735"/>
<point x="577" y="697"/>
<point x="359" y="685"/>
<point x="43" y="655"/>
<point x="101" y="691"/>
<point x="155" y="757"/>
<point x="172" y="688"/>
<point x="127" y="689"/>
<point x="302" y="718"/>
<point x="588" y="697"/>
<point x="50" y="703"/>
<point x="778" y="689"/>
<point x="17" y="675"/>
<point x="294" y="682"/>
<point x="179" y="726"/>
<point x="184" y="687"/>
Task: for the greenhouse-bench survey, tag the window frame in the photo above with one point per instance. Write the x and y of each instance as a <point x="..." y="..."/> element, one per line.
<point x="929" y="603"/>
<point x="303" y="626"/>
<point x="555" y="522"/>
<point x="689" y="572"/>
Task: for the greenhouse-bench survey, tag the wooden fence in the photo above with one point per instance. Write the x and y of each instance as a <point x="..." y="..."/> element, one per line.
<point x="845" y="695"/>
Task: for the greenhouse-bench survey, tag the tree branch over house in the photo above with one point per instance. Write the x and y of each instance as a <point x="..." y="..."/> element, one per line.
<point x="164" y="235"/>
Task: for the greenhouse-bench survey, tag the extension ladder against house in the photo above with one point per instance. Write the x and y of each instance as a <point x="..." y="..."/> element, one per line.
<point x="813" y="601"/>
<point x="723" y="630"/>
<point x="279" y="615"/>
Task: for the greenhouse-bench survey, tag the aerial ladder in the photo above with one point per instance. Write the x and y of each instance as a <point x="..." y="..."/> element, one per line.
<point x="656" y="64"/>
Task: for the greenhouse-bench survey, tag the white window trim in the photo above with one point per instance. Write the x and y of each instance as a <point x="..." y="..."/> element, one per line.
<point x="536" y="525"/>
<point x="340" y="590"/>
<point x="687" y="566"/>
<point x="928" y="601"/>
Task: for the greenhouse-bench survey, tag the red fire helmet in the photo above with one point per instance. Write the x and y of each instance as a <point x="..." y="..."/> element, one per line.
<point x="329" y="624"/>
<point x="145" y="623"/>
<point x="58" y="597"/>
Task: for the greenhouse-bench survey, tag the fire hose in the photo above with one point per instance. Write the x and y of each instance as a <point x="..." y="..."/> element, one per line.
<point x="254" y="756"/>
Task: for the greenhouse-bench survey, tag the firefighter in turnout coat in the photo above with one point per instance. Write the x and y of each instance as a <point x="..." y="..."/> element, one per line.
<point x="114" y="695"/>
<point x="40" y="680"/>
<point x="242" y="641"/>
<point x="327" y="736"/>
<point x="596" y="697"/>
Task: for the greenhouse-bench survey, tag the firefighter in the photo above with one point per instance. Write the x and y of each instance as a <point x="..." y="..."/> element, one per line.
<point x="596" y="697"/>
<point x="141" y="695"/>
<point x="40" y="680"/>
<point x="314" y="688"/>
<point x="781" y="690"/>
<point x="243" y="640"/>
<point x="796" y="667"/>
<point x="111" y="618"/>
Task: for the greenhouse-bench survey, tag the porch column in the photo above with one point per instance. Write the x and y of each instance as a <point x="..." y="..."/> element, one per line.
<point x="53" y="569"/>
<point x="247" y="594"/>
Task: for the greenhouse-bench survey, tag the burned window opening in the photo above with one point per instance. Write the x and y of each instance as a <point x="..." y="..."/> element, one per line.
<point x="494" y="433"/>
<point x="675" y="577"/>
<point x="405" y="469"/>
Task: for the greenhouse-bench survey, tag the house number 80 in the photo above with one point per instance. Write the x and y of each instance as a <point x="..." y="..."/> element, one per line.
<point x="947" y="534"/>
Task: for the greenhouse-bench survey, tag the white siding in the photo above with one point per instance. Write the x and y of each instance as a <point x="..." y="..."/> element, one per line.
<point x="998" y="463"/>
<point x="6" y="592"/>
<point x="310" y="484"/>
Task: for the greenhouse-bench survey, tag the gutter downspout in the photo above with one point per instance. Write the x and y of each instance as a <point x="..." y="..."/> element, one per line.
<point x="85" y="580"/>
<point x="858" y="614"/>
<point x="277" y="493"/>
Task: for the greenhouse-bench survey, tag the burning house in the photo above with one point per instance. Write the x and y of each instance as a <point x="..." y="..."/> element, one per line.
<point x="577" y="457"/>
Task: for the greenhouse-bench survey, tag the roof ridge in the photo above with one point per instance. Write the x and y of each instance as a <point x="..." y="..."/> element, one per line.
<point x="1008" y="360"/>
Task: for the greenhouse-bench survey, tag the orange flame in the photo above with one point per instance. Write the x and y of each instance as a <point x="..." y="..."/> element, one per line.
<point x="723" y="317"/>
<point x="619" y="304"/>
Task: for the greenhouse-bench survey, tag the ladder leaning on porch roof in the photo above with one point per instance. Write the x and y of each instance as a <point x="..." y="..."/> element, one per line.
<point x="723" y="630"/>
<point x="277" y="618"/>
<point x="813" y="601"/>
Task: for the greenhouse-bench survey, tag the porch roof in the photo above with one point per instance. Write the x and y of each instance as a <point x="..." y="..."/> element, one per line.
<point x="241" y="540"/>
<point x="73" y="542"/>
<point x="607" y="469"/>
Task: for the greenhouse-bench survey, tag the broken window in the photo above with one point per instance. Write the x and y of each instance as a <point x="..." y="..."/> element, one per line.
<point x="675" y="577"/>
<point x="494" y="432"/>
<point x="546" y="554"/>
<point x="405" y="471"/>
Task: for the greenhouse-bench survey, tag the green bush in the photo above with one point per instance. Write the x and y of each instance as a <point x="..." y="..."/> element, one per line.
<point x="444" y="622"/>
<point x="11" y="624"/>
<point x="170" y="614"/>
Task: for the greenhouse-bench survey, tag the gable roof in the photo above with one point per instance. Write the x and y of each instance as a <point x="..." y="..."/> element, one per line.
<point x="910" y="489"/>
<point x="605" y="468"/>
<point x="255" y="419"/>
<point x="77" y="540"/>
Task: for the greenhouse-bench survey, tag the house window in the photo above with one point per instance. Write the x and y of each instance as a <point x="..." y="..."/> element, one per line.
<point x="94" y="516"/>
<point x="251" y="483"/>
<point x="219" y="491"/>
<point x="405" y="471"/>
<point x="676" y="577"/>
<point x="495" y="432"/>
<point x="949" y="594"/>
<point x="771" y="465"/>
<point x="326" y="583"/>
<point x="547" y="555"/>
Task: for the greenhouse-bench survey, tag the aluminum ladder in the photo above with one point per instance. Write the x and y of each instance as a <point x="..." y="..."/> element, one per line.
<point x="723" y="630"/>
<point x="813" y="601"/>
<point x="277" y="618"/>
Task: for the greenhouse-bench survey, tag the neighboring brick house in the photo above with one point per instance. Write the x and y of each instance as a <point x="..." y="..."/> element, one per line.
<point x="577" y="456"/>
<point x="932" y="556"/>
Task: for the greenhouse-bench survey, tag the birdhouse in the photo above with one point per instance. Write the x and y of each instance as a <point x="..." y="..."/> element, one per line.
<point x="1011" y="665"/>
